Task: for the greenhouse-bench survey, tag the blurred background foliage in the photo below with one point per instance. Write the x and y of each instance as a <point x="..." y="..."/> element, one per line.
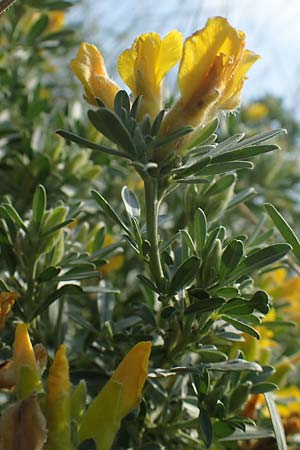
<point x="71" y="251"/>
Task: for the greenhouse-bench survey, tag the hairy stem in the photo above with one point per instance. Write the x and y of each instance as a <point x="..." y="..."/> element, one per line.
<point x="151" y="206"/>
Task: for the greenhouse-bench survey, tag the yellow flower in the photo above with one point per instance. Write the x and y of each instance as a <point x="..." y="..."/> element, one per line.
<point x="118" y="397"/>
<point x="7" y="300"/>
<point x="58" y="403"/>
<point x="56" y="21"/>
<point x="28" y="378"/>
<point x="115" y="262"/>
<point x="256" y="111"/>
<point x="89" y="68"/>
<point x="146" y="63"/>
<point x="211" y="75"/>
<point x="286" y="289"/>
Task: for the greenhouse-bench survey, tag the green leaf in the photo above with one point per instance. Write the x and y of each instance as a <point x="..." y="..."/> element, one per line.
<point x="173" y="136"/>
<point x="67" y="289"/>
<point x="259" y="259"/>
<point x="109" y="124"/>
<point x="191" y="180"/>
<point x="234" y="365"/>
<point x="37" y="29"/>
<point x="260" y="301"/>
<point x="204" y="134"/>
<point x="241" y="326"/>
<point x="284" y="228"/>
<point x="264" y="136"/>
<point x="13" y="215"/>
<point x="121" y="101"/>
<point x="204" y="305"/>
<point x="205" y="427"/>
<point x="107" y="208"/>
<point x="237" y="306"/>
<point x="131" y="203"/>
<point x="244" y="153"/>
<point x="157" y="122"/>
<point x="214" y="169"/>
<point x="221" y="185"/>
<point x="39" y="205"/>
<point x="184" y="275"/>
<point x="242" y="196"/>
<point x="88" y="144"/>
<point x="48" y="274"/>
<point x="200" y="229"/>
<point x="262" y="388"/>
<point x="192" y="166"/>
<point x="187" y="243"/>
<point x="212" y="356"/>
<point x="276" y="422"/>
<point x="136" y="106"/>
<point x="231" y="257"/>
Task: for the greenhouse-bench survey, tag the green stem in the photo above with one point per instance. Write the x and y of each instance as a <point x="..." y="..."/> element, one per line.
<point x="151" y="206"/>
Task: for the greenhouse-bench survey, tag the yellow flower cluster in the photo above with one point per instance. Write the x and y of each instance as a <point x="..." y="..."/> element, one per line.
<point x="212" y="71"/>
<point x="26" y="425"/>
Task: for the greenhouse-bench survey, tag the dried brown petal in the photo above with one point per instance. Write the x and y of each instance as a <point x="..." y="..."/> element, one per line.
<point x="23" y="426"/>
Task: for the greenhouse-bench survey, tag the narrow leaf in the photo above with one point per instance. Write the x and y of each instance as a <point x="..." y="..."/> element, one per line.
<point x="109" y="124"/>
<point x="184" y="275"/>
<point x="109" y="210"/>
<point x="131" y="203"/>
<point x="39" y="205"/>
<point x="284" y="229"/>
<point x="276" y="422"/>
<point x="87" y="144"/>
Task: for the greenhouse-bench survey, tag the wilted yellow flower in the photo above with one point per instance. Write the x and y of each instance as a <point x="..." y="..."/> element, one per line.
<point x="89" y="68"/>
<point x="58" y="403"/>
<point x="115" y="262"/>
<point x="23" y="426"/>
<point x="28" y="378"/>
<point x="7" y="300"/>
<point x="256" y="111"/>
<point x="118" y="397"/>
<point x="146" y="63"/>
<point x="212" y="71"/>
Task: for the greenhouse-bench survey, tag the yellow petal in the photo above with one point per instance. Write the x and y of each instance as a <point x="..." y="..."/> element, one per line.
<point x="231" y="96"/>
<point x="23" y="426"/>
<point x="132" y="373"/>
<point x="23" y="353"/>
<point x="58" y="403"/>
<point x="144" y="66"/>
<point x="201" y="49"/>
<point x="118" y="397"/>
<point x="126" y="63"/>
<point x="89" y="68"/>
<point x="169" y="54"/>
<point x="28" y="379"/>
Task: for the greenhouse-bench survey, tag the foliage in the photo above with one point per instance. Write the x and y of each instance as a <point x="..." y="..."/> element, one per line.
<point x="116" y="231"/>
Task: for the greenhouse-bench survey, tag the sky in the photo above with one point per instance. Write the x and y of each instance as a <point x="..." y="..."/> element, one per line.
<point x="271" y="26"/>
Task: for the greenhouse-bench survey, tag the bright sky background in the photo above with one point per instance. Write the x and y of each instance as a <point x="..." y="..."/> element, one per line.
<point x="272" y="30"/>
